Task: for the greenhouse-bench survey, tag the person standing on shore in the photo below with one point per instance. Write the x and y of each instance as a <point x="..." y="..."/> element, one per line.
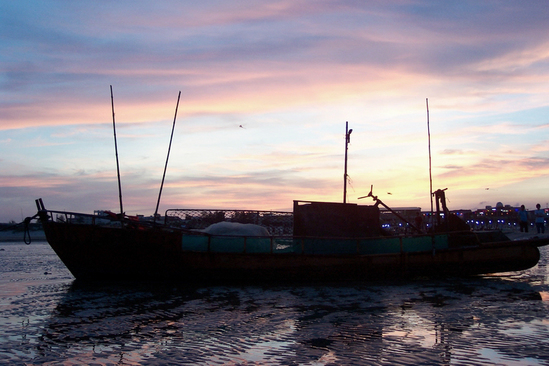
<point x="540" y="219"/>
<point x="523" y="219"/>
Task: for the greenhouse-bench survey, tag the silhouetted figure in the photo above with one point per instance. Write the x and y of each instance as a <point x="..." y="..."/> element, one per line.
<point x="523" y="219"/>
<point x="540" y="219"/>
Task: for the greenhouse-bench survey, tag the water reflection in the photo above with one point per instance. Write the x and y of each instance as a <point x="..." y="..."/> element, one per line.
<point x="48" y="319"/>
<point x="430" y="322"/>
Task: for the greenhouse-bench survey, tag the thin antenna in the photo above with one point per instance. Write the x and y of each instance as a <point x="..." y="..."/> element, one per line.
<point x="430" y="171"/>
<point x="117" y="164"/>
<point x="167" y="158"/>
<point x="347" y="140"/>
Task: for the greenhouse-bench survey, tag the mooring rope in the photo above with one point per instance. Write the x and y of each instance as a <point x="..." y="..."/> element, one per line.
<point x="26" y="230"/>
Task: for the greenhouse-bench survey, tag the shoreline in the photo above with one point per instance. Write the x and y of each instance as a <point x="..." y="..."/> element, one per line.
<point x="18" y="236"/>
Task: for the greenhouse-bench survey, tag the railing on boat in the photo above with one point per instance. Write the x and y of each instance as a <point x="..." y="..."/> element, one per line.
<point x="77" y="217"/>
<point x="278" y="242"/>
<point x="276" y="222"/>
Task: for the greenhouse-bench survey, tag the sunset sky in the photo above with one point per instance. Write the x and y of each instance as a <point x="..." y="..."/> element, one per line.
<point x="266" y="89"/>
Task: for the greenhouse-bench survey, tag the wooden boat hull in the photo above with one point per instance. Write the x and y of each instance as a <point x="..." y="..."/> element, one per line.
<point x="113" y="253"/>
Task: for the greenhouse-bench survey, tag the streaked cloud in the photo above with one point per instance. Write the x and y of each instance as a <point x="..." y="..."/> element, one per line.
<point x="291" y="73"/>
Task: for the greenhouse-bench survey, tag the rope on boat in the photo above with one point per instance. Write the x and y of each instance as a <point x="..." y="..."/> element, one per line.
<point x="26" y="230"/>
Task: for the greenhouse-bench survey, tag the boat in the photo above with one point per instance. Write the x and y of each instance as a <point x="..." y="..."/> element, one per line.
<point x="318" y="241"/>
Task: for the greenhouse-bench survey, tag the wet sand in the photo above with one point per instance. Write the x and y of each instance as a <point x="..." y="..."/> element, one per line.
<point x="47" y="318"/>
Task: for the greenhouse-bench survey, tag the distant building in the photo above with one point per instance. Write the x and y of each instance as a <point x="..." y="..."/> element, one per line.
<point x="499" y="217"/>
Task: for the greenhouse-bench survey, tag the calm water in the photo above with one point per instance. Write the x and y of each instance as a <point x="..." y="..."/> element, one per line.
<point x="46" y="318"/>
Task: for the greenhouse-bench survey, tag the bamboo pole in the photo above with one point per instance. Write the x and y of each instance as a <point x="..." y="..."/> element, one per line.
<point x="167" y="157"/>
<point x="430" y="171"/>
<point x="347" y="140"/>
<point x="117" y="164"/>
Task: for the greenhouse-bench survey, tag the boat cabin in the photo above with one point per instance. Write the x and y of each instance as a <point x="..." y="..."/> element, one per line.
<point x="335" y="220"/>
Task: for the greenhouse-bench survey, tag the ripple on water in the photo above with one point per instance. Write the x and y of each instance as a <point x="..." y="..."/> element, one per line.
<point x="48" y="319"/>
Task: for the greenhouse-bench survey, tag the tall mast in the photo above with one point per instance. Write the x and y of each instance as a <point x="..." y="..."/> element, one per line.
<point x="347" y="140"/>
<point x="117" y="164"/>
<point x="429" y="146"/>
<point x="167" y="157"/>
